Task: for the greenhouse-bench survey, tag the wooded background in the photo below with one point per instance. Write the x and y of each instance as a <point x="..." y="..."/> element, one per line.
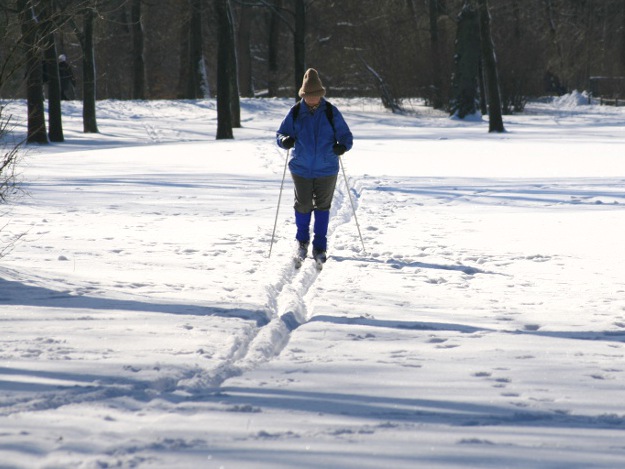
<point x="168" y="49"/>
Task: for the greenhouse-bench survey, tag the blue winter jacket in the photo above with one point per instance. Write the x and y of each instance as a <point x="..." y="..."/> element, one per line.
<point x="313" y="157"/>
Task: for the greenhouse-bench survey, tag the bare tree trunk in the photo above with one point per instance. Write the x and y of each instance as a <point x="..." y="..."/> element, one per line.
<point x="467" y="63"/>
<point x="183" y="72"/>
<point x="85" y="37"/>
<point x="435" y="53"/>
<point x="622" y="51"/>
<point x="197" y="85"/>
<point x="482" y="88"/>
<point x="138" y="62"/>
<point x="34" y="76"/>
<point x="90" y="124"/>
<point x="495" y="120"/>
<point x="273" y="52"/>
<point x="299" y="37"/>
<point x="244" y="53"/>
<point x="233" y="74"/>
<point x="553" y="31"/>
<point x="512" y="95"/>
<point x="55" y="119"/>
<point x="516" y="14"/>
<point x="224" y="54"/>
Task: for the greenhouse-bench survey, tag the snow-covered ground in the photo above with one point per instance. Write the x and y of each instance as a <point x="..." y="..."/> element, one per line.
<point x="143" y="324"/>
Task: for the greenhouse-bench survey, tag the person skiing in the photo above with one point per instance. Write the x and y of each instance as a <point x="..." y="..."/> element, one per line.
<point x="318" y="134"/>
<point x="67" y="79"/>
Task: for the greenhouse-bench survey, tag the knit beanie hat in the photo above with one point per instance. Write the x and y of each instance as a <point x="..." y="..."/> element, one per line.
<point x="311" y="86"/>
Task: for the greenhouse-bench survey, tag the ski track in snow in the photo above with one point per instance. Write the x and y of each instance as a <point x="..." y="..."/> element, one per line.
<point x="288" y="300"/>
<point x="288" y="295"/>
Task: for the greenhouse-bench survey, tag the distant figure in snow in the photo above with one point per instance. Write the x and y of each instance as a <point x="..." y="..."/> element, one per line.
<point x="68" y="82"/>
<point x="318" y="135"/>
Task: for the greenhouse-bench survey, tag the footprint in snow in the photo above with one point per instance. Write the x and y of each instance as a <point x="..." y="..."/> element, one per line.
<point x="361" y="337"/>
<point x="502" y="382"/>
<point x="437" y="340"/>
<point x="436" y="281"/>
<point x="598" y="377"/>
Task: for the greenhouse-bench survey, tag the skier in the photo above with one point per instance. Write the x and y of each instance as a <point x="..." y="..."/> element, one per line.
<point x="67" y="79"/>
<point x="318" y="135"/>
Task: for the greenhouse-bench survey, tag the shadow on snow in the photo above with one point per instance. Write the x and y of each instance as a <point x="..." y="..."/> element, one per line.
<point x="495" y="192"/>
<point x="19" y="294"/>
<point x="394" y="410"/>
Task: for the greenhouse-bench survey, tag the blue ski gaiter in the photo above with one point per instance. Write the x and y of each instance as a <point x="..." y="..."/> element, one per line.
<point x="322" y="219"/>
<point x="302" y="221"/>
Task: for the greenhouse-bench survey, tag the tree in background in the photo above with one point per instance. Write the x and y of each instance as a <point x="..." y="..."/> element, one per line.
<point x="299" y="43"/>
<point x="224" y="71"/>
<point x="31" y="33"/>
<point x="621" y="40"/>
<point x="515" y="65"/>
<point x="85" y="38"/>
<point x="244" y="51"/>
<point x="8" y="160"/>
<point x="233" y="73"/>
<point x="495" y="121"/>
<point x="197" y="84"/>
<point x="51" y="74"/>
<point x="435" y="9"/>
<point x="467" y="60"/>
<point x="408" y="44"/>
<point x="138" y="69"/>
<point x="295" y="21"/>
<point x="273" y="49"/>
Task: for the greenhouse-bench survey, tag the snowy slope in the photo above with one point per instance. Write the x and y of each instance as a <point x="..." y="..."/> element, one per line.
<point x="145" y="326"/>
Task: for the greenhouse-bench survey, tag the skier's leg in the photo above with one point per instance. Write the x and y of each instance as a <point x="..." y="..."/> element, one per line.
<point x="302" y="222"/>
<point x="322" y="219"/>
<point x="324" y="192"/>
<point x="303" y="207"/>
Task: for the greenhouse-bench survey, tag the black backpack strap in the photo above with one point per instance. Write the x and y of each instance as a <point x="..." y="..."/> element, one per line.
<point x="330" y="115"/>
<point x="295" y="109"/>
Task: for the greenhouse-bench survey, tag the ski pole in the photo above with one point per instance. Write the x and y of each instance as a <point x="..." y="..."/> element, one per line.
<point x="275" y="223"/>
<point x="351" y="201"/>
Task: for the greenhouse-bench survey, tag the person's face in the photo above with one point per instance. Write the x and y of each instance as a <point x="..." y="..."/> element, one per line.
<point x="312" y="100"/>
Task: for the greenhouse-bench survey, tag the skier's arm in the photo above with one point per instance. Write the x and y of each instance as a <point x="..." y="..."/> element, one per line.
<point x="285" y="136"/>
<point x="343" y="134"/>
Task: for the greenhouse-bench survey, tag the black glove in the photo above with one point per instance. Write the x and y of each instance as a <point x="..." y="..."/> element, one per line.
<point x="339" y="149"/>
<point x="287" y="142"/>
